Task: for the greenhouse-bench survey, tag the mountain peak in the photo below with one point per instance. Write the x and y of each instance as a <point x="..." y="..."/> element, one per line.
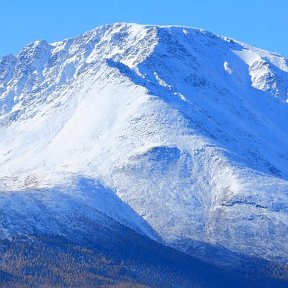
<point x="187" y="128"/>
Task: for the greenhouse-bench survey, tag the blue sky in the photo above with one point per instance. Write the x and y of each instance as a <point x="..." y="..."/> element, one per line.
<point x="263" y="23"/>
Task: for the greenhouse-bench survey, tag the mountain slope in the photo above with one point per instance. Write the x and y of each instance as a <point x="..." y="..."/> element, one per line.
<point x="185" y="129"/>
<point x="114" y="258"/>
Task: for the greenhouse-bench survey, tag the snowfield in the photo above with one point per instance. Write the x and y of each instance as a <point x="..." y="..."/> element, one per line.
<point x="174" y="132"/>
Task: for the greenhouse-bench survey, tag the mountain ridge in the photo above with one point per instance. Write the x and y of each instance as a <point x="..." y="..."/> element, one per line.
<point x="185" y="127"/>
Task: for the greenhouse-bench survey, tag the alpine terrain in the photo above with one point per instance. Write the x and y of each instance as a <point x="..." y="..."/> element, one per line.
<point x="144" y="156"/>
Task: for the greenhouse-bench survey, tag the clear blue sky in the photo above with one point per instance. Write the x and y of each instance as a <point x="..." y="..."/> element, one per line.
<point x="263" y="23"/>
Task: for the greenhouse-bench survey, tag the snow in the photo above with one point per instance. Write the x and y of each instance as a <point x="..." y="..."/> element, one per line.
<point x="186" y="131"/>
<point x="227" y="68"/>
<point x="48" y="210"/>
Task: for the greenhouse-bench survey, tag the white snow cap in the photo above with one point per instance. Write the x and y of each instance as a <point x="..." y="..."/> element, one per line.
<point x="148" y="112"/>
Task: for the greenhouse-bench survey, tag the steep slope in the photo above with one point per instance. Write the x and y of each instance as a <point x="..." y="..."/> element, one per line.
<point x="187" y="128"/>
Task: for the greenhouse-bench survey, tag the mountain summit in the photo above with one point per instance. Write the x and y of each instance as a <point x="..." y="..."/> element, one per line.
<point x="173" y="132"/>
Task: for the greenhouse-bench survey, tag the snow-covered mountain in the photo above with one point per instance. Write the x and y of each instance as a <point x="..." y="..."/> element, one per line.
<point x="174" y="132"/>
